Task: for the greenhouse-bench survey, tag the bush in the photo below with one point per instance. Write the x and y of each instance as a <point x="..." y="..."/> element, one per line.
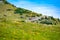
<point x="18" y="11"/>
<point x="13" y="5"/>
<point x="6" y="2"/>
<point x="23" y="21"/>
<point x="46" y="22"/>
<point x="38" y="15"/>
<point x="9" y="9"/>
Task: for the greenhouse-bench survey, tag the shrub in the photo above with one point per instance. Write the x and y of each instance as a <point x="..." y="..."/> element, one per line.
<point x="46" y="22"/>
<point x="22" y="21"/>
<point x="13" y="5"/>
<point x="18" y="11"/>
<point x="38" y="15"/>
<point x="6" y="2"/>
<point x="9" y="9"/>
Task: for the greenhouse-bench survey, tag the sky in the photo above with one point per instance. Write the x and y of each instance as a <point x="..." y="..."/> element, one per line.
<point x="45" y="7"/>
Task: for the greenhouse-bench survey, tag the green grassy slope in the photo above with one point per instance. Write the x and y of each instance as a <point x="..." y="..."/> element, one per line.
<point x="11" y="28"/>
<point x="28" y="31"/>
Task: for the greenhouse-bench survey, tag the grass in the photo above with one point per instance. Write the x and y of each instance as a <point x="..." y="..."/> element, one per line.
<point x="28" y="31"/>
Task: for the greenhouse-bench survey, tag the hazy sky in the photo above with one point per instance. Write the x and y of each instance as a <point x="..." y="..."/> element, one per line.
<point x="46" y="7"/>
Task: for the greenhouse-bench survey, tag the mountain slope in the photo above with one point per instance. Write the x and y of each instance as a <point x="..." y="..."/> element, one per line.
<point x="14" y="27"/>
<point x="13" y="13"/>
